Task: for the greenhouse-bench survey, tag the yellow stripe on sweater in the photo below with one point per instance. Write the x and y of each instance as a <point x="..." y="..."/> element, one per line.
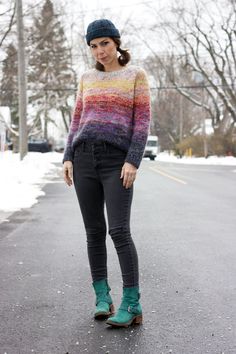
<point x="124" y="85"/>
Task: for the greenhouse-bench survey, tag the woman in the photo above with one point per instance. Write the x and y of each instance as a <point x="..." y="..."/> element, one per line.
<point x="104" y="149"/>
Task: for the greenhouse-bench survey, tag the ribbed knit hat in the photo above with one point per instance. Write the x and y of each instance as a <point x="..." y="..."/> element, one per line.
<point x="101" y="28"/>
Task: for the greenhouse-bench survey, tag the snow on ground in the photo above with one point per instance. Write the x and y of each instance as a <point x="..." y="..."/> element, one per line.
<point x="21" y="182"/>
<point x="211" y="160"/>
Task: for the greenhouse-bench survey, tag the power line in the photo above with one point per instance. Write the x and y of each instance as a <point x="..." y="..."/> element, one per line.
<point x="189" y="87"/>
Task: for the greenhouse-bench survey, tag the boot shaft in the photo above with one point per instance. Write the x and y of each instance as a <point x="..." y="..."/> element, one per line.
<point x="101" y="286"/>
<point x="102" y="289"/>
<point x="130" y="300"/>
<point x="131" y="294"/>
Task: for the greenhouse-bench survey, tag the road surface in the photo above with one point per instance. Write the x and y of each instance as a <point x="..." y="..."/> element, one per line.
<point x="184" y="227"/>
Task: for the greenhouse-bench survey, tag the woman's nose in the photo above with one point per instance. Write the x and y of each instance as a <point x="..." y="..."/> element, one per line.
<point x="100" y="50"/>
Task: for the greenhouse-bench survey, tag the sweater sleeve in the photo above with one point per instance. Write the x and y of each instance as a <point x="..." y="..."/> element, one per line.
<point x="141" y="119"/>
<point x="68" y="154"/>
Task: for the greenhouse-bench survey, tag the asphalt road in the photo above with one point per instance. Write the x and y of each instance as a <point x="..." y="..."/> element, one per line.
<point x="184" y="227"/>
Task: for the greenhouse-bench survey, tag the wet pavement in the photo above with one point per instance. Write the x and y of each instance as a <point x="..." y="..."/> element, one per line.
<point x="183" y="224"/>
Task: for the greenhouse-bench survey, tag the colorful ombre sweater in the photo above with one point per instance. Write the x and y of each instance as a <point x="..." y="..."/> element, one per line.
<point x="113" y="107"/>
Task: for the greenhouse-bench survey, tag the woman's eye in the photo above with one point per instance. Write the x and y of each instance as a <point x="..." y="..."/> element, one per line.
<point x="105" y="43"/>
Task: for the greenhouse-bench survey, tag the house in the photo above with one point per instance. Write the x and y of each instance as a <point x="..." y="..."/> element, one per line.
<point x="5" y="121"/>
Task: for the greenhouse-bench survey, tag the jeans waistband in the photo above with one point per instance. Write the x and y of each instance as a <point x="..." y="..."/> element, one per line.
<point x="97" y="145"/>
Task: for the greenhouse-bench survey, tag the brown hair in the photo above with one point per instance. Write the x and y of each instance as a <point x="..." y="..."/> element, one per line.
<point x="123" y="59"/>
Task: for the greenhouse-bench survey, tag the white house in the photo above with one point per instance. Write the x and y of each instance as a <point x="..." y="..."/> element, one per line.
<point x="5" y="119"/>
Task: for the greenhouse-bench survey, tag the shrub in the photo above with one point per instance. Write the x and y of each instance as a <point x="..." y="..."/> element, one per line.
<point x="219" y="145"/>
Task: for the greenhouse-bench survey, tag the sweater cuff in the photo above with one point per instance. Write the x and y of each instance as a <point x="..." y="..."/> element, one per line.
<point x="135" y="155"/>
<point x="68" y="155"/>
<point x="132" y="162"/>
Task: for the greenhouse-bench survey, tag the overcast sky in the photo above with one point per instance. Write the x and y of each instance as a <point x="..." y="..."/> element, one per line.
<point x="123" y="13"/>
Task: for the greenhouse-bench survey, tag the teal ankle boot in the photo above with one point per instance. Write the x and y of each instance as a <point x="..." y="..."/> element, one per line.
<point x="130" y="310"/>
<point x="104" y="305"/>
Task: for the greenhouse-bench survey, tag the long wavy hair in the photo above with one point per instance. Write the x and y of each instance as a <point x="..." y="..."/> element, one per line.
<point x="123" y="58"/>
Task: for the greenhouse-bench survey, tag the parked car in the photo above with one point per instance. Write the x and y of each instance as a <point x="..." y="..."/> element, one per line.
<point x="59" y="145"/>
<point x="9" y="145"/>
<point x="39" y="145"/>
<point x="151" y="147"/>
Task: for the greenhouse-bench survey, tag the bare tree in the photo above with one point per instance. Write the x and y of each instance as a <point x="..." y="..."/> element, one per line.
<point x="173" y="116"/>
<point x="203" y="42"/>
<point x="8" y="16"/>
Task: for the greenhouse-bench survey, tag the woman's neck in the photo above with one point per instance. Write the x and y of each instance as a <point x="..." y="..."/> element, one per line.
<point x="114" y="66"/>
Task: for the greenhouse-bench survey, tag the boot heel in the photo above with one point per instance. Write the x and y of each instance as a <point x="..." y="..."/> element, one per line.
<point x="138" y="319"/>
<point x="112" y="309"/>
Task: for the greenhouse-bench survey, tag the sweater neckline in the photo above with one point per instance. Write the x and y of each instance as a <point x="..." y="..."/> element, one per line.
<point x="114" y="72"/>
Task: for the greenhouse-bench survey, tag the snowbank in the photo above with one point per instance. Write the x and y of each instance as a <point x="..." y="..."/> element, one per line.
<point x="212" y="160"/>
<point x="21" y="181"/>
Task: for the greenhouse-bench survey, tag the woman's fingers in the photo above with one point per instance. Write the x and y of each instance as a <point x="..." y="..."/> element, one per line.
<point x="125" y="178"/>
<point x="122" y="172"/>
<point x="66" y="178"/>
<point x="129" y="180"/>
<point x="129" y="175"/>
<point x="68" y="173"/>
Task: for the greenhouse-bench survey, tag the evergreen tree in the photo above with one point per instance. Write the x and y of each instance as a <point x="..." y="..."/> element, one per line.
<point x="9" y="85"/>
<point x="50" y="73"/>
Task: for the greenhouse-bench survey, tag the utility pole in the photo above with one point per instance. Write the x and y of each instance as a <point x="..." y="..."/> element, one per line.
<point x="181" y="119"/>
<point x="21" y="83"/>
<point x="205" y="147"/>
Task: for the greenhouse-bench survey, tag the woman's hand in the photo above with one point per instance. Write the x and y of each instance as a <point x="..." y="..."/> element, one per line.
<point x="68" y="172"/>
<point x="128" y="173"/>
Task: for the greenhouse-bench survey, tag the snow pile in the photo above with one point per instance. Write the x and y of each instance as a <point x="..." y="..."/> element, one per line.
<point x="211" y="160"/>
<point x="21" y="181"/>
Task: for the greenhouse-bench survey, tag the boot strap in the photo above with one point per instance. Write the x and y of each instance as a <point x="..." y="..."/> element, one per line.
<point x="130" y="309"/>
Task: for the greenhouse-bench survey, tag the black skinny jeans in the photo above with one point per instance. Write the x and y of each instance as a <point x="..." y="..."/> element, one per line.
<point x="96" y="174"/>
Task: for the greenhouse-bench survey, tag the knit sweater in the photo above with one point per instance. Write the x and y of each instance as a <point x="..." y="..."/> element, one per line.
<point x="113" y="107"/>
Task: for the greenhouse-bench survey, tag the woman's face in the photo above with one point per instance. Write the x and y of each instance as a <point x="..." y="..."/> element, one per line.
<point x="104" y="50"/>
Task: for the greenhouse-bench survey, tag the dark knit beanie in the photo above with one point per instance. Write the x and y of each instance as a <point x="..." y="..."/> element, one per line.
<point x="101" y="28"/>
